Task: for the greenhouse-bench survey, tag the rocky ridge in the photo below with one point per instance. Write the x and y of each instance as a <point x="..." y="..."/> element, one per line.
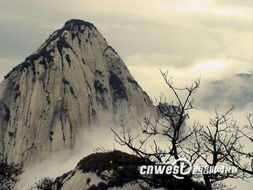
<point x="73" y="81"/>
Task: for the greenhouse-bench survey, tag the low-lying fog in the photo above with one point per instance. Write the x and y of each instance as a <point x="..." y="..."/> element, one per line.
<point x="100" y="138"/>
<point x="233" y="89"/>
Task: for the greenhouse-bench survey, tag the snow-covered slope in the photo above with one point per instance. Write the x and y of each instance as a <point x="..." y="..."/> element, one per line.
<point x="74" y="80"/>
<point x="115" y="170"/>
<point x="111" y="170"/>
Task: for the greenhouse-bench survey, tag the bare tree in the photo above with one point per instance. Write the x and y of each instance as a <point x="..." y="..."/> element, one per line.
<point x="236" y="154"/>
<point x="214" y="144"/>
<point x="170" y="125"/>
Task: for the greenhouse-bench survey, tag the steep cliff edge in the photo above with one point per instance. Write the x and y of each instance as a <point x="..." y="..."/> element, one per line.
<point x="74" y="80"/>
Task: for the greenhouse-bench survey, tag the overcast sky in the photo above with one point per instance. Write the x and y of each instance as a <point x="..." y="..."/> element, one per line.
<point x="208" y="38"/>
<point x="190" y="38"/>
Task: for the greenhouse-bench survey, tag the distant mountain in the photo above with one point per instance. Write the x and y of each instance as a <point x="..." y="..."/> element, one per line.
<point x="73" y="81"/>
<point x="234" y="90"/>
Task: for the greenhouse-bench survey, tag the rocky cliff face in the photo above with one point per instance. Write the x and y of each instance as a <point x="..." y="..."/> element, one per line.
<point x="74" y="80"/>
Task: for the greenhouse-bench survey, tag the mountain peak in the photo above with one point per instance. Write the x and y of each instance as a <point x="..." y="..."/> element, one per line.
<point x="73" y="81"/>
<point x="75" y="27"/>
<point x="77" y="22"/>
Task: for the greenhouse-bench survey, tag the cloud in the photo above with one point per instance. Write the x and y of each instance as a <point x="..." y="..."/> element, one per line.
<point x="233" y="3"/>
<point x="235" y="90"/>
<point x="178" y="36"/>
<point x="92" y="140"/>
<point x="184" y="37"/>
<point x="161" y="27"/>
<point x="224" y="82"/>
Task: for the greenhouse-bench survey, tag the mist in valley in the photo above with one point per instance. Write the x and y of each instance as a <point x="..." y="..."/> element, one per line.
<point x="100" y="138"/>
<point x="206" y="39"/>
